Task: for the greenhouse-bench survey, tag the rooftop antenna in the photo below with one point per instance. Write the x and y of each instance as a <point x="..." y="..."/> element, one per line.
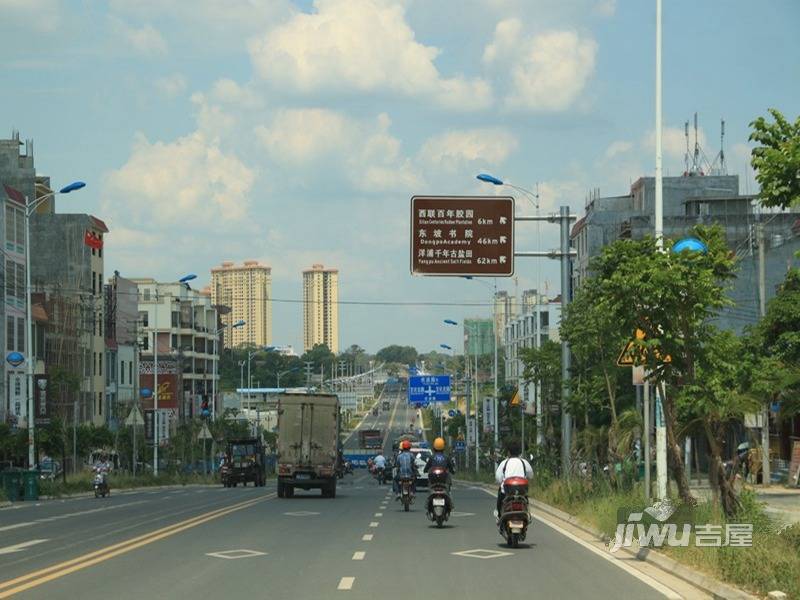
<point x="696" y="157"/>
<point x="719" y="167"/>
<point x="686" y="155"/>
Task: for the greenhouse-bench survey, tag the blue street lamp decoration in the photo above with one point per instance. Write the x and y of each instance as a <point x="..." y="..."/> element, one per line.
<point x="145" y="392"/>
<point x="691" y="244"/>
<point x="75" y="185"/>
<point x="450" y="322"/>
<point x="490" y="179"/>
<point x="187" y="278"/>
<point x="15" y="359"/>
<point x="445" y="346"/>
<point x="238" y="324"/>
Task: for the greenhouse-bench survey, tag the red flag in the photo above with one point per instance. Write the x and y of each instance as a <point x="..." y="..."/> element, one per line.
<point x="92" y="240"/>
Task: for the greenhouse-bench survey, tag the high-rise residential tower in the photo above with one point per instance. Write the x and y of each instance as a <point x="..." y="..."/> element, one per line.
<point x="246" y="290"/>
<point x="321" y="308"/>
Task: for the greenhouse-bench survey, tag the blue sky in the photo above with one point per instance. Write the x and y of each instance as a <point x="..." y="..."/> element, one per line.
<point x="296" y="132"/>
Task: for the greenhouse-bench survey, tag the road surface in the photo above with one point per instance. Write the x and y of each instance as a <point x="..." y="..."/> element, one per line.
<point x="212" y="543"/>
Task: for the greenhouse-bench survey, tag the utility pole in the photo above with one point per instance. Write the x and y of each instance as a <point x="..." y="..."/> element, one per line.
<point x="155" y="385"/>
<point x="661" y="429"/>
<point x="566" y="419"/>
<point x="477" y="412"/>
<point x="647" y="428"/>
<point x="762" y="304"/>
<point x="496" y="423"/>
<point x="309" y="364"/>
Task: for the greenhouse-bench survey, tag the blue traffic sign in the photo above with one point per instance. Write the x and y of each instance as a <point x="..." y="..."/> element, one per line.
<point x="428" y="388"/>
<point x="451" y="413"/>
<point x="460" y="445"/>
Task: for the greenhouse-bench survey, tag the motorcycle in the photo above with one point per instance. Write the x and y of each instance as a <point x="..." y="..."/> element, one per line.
<point x="407" y="492"/>
<point x="101" y="484"/>
<point x="380" y="475"/>
<point x="514" y="516"/>
<point x="439" y="503"/>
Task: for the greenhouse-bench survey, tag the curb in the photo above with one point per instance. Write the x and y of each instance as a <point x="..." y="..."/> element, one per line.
<point x="715" y="588"/>
<point x="124" y="490"/>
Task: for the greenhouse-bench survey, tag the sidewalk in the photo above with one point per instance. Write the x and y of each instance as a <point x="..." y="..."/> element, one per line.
<point x="782" y="503"/>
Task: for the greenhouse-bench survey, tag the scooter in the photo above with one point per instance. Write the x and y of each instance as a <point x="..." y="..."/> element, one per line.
<point x="101" y="484"/>
<point x="439" y="503"/>
<point x="514" y="516"/>
<point x="380" y="475"/>
<point x="407" y="493"/>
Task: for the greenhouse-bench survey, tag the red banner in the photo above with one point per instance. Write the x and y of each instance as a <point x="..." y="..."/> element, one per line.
<point x="92" y="240"/>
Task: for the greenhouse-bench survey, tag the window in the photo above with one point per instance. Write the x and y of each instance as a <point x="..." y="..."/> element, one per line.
<point x="21" y="335"/>
<point x="100" y="323"/>
<point x="174" y="319"/>
<point x="20" y="272"/>
<point x="122" y="371"/>
<point x="10" y="231"/>
<point x="94" y="282"/>
<point x="100" y="364"/>
<point x="11" y="279"/>
<point x="100" y="403"/>
<point x="130" y="372"/>
<point x="146" y="294"/>
<point x="10" y="334"/>
<point x="143" y="317"/>
<point x="20" y="227"/>
<point x="94" y="363"/>
<point x="146" y="343"/>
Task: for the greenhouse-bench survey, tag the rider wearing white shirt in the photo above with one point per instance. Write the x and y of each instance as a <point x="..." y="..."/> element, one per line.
<point x="380" y="461"/>
<point x="513" y="466"/>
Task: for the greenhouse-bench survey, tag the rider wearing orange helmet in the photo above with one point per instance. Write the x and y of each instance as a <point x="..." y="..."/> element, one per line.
<point x="405" y="466"/>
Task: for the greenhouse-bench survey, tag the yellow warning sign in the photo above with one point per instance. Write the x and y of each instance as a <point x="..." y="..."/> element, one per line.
<point x="630" y="356"/>
<point x="515" y="401"/>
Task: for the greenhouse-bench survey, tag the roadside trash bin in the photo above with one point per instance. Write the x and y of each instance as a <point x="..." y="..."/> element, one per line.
<point x="31" y="485"/>
<point x="12" y="482"/>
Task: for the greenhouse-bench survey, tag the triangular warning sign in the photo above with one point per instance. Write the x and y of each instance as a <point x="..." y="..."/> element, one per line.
<point x="515" y="400"/>
<point x="625" y="358"/>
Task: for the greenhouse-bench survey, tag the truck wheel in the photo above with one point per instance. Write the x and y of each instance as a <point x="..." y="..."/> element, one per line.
<point x="281" y="489"/>
<point x="332" y="490"/>
<point x="288" y="491"/>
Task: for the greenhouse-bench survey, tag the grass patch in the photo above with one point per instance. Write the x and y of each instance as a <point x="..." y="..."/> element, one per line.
<point x="772" y="563"/>
<point x="83" y="482"/>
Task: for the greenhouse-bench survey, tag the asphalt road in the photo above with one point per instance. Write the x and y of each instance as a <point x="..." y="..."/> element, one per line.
<point x="212" y="542"/>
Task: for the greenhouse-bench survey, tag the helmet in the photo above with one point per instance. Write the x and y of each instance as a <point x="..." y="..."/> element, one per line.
<point x="405" y="445"/>
<point x="438" y="444"/>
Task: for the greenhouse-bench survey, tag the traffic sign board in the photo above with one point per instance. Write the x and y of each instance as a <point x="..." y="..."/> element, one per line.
<point x="630" y="356"/>
<point x="425" y="389"/>
<point x="451" y="413"/>
<point x="462" y="235"/>
<point x="460" y="445"/>
<point x="134" y="417"/>
<point x="204" y="434"/>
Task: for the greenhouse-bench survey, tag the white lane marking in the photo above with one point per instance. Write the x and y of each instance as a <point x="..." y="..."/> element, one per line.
<point x="373" y="524"/>
<point x="367" y="537"/>
<point x="482" y="553"/>
<point x="346" y="583"/>
<point x="20" y="547"/>
<point x="378" y="514"/>
<point x="359" y="555"/>
<point x="88" y="512"/>
<point x="234" y="554"/>
<point x="16" y="526"/>
<point x="646" y="579"/>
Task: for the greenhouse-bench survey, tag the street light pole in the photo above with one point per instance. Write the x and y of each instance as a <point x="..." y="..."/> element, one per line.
<point x="155" y="385"/>
<point x="29" y="393"/>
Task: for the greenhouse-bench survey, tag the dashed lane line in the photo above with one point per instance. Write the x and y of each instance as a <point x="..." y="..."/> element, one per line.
<point x="367" y="537"/>
<point x="378" y="514"/>
<point x="374" y="524"/>
<point x="359" y="555"/>
<point x="346" y="583"/>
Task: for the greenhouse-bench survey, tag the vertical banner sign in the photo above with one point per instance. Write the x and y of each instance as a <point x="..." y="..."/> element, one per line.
<point x="488" y="416"/>
<point x="462" y="235"/>
<point x="149" y="425"/>
<point x="471" y="431"/>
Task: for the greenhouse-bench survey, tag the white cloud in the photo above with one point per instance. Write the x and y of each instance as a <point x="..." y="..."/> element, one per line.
<point x="171" y="85"/>
<point x="145" y="40"/>
<point x="606" y="8"/>
<point x="185" y="183"/>
<point x="673" y="141"/>
<point x="364" y="148"/>
<point x="362" y="46"/>
<point x="618" y="147"/>
<point x="549" y="71"/>
<point x="227" y="91"/>
<point x="454" y="149"/>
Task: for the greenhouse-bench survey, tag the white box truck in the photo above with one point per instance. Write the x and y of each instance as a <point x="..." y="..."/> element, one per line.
<point x="308" y="443"/>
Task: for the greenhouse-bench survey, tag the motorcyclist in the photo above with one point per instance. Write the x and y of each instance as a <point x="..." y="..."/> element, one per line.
<point x="103" y="467"/>
<point x="380" y="463"/>
<point x="513" y="466"/>
<point x="405" y="467"/>
<point x="440" y="459"/>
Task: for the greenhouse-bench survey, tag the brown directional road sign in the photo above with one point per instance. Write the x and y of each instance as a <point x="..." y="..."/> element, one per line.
<point x="462" y="236"/>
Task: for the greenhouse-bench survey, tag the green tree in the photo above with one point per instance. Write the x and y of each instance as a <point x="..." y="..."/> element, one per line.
<point x="714" y="395"/>
<point x="542" y="367"/>
<point x="776" y="159"/>
<point x="672" y="298"/>
<point x="406" y="355"/>
<point x="319" y="355"/>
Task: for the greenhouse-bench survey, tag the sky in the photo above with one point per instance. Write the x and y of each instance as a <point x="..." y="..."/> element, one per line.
<point x="296" y="133"/>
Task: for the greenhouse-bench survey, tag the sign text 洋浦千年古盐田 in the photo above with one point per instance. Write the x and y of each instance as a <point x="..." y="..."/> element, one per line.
<point x="425" y="389"/>
<point x="458" y="236"/>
